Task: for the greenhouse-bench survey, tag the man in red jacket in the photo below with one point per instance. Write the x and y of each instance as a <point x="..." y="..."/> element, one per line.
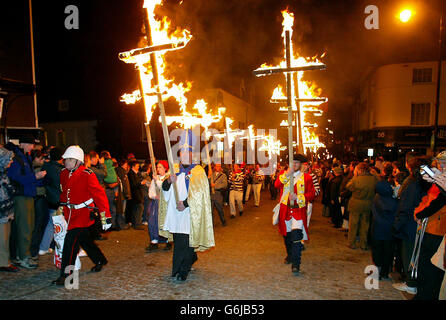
<point x="293" y="219"/>
<point x="80" y="190"/>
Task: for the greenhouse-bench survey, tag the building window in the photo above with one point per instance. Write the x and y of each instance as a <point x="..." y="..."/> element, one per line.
<point x="422" y="75"/>
<point x="420" y="114"/>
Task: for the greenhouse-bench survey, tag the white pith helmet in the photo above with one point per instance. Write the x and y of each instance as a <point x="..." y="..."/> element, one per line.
<point x="74" y="152"/>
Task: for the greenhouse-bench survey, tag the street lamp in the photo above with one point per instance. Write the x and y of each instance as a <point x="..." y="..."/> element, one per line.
<point x="404" y="16"/>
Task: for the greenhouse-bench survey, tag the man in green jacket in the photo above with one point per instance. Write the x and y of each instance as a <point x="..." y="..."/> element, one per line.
<point x="111" y="187"/>
<point x="362" y="187"/>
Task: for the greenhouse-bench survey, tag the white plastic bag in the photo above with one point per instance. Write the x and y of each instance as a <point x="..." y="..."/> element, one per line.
<point x="60" y="230"/>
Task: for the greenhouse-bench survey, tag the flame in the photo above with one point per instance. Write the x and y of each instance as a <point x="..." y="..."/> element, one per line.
<point x="188" y="120"/>
<point x="230" y="133"/>
<point x="284" y="123"/>
<point x="159" y="30"/>
<point x="306" y="89"/>
<point x="272" y="145"/>
<point x="288" y="21"/>
<point x="131" y="98"/>
<point x="167" y="86"/>
<point x="278" y="93"/>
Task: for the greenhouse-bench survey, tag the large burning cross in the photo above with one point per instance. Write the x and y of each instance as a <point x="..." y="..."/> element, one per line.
<point x="152" y="49"/>
<point x="288" y="71"/>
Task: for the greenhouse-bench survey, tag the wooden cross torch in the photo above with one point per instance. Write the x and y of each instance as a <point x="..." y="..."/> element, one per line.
<point x="288" y="71"/>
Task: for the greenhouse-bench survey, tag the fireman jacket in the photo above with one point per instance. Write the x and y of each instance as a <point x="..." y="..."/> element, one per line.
<point x="79" y="186"/>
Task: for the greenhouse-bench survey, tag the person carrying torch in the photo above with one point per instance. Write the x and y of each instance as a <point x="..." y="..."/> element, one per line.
<point x="188" y="218"/>
<point x="292" y="222"/>
<point x="80" y="190"/>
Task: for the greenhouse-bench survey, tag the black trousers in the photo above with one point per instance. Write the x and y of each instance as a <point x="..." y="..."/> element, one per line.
<point x="218" y="205"/>
<point x="75" y="238"/>
<point x="382" y="255"/>
<point x="295" y="246"/>
<point x="399" y="266"/>
<point x="336" y="214"/>
<point x="273" y="191"/>
<point x="226" y="195"/>
<point x="183" y="255"/>
<point x="429" y="276"/>
<point x="287" y="241"/>
<point x="40" y="221"/>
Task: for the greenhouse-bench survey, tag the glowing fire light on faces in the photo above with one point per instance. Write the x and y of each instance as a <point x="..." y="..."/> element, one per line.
<point x="307" y="90"/>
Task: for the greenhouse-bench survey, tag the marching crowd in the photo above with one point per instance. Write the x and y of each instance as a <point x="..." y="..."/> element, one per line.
<point x="380" y="205"/>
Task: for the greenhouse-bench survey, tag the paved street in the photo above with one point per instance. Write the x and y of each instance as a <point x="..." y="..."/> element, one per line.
<point x="247" y="263"/>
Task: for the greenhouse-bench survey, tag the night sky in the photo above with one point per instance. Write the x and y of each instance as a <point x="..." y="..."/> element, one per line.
<point x="231" y="38"/>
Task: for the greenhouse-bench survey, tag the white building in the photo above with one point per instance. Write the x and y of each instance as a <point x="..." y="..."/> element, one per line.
<point x="397" y="107"/>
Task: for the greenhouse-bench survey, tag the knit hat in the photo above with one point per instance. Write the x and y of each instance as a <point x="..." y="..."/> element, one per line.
<point x="5" y="157"/>
<point x="164" y="163"/>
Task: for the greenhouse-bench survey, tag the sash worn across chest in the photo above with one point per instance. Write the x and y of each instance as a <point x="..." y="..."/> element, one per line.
<point x="299" y="182"/>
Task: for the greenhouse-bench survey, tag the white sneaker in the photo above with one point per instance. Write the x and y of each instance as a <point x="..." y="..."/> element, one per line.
<point x="43" y="252"/>
<point x="402" y="286"/>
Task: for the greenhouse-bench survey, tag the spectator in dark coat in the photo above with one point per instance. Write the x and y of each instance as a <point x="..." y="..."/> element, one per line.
<point x="137" y="202"/>
<point x="96" y="164"/>
<point x="383" y="210"/>
<point x="22" y="176"/>
<point x="334" y="187"/>
<point x="52" y="190"/>
<point x="326" y="176"/>
<point x="40" y="207"/>
<point x="405" y="226"/>
<point x="124" y="192"/>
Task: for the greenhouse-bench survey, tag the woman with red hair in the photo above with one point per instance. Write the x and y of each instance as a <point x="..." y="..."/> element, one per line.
<point x="154" y="207"/>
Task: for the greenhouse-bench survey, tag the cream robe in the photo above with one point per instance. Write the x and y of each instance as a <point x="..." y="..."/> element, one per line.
<point x="196" y="220"/>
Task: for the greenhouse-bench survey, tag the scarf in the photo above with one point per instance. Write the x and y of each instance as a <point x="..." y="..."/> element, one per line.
<point x="187" y="171"/>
